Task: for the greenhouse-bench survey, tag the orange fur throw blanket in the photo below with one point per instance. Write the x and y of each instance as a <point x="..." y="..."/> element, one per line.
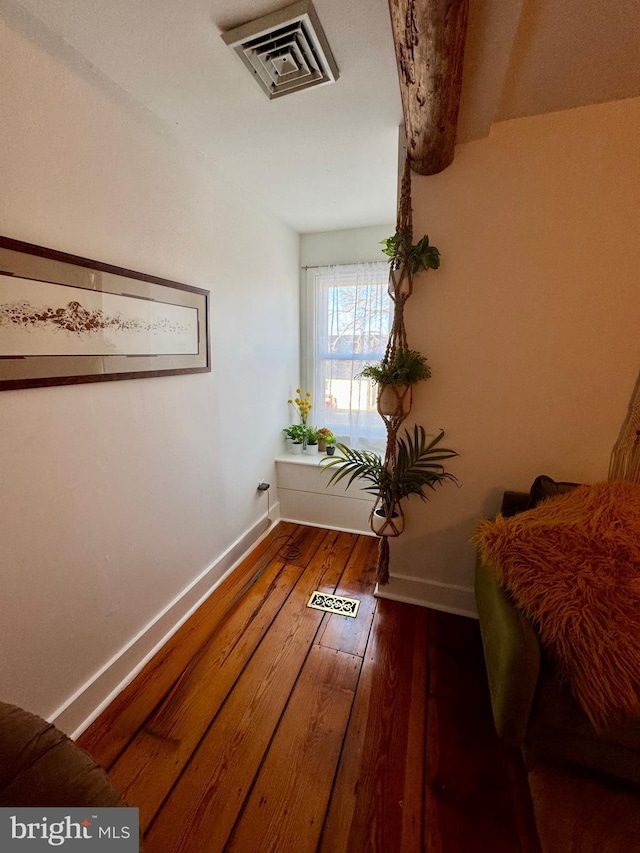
<point x="573" y="565"/>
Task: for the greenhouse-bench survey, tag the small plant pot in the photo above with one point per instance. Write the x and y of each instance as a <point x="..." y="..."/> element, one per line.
<point x="399" y="285"/>
<point x="296" y="448"/>
<point x="311" y="449"/>
<point x="322" y="446"/>
<point x="382" y="527"/>
<point x="331" y="449"/>
<point x="394" y="400"/>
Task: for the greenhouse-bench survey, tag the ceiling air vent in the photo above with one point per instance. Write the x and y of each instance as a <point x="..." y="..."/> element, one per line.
<point x="285" y="51"/>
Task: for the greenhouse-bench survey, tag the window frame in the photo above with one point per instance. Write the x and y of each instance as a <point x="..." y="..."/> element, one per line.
<point x="309" y="339"/>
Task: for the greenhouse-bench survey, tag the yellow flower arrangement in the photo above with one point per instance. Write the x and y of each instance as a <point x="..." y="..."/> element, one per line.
<point x="302" y="405"/>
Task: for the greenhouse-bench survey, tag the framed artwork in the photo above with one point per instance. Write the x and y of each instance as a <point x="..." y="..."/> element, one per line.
<point x="66" y="319"/>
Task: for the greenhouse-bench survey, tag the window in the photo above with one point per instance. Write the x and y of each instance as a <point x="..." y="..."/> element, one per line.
<point x="348" y="317"/>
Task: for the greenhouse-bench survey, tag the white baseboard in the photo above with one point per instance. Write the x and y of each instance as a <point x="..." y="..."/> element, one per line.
<point x="450" y="598"/>
<point x="340" y="528"/>
<point x="88" y="702"/>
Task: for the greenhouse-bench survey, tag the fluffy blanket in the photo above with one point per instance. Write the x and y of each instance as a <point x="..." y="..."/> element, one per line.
<point x="573" y="565"/>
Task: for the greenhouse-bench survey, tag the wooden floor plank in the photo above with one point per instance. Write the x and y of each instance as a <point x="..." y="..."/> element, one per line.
<point x="109" y="734"/>
<point x="414" y="776"/>
<point x="377" y="801"/>
<point x="286" y="808"/>
<point x="345" y="633"/>
<point x="342" y="804"/>
<point x="232" y="734"/>
<point x="200" y="812"/>
<point x="303" y="542"/>
<point x="468" y="799"/>
<point x="151" y="763"/>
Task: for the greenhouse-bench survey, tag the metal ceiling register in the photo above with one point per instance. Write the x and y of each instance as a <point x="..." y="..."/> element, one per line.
<point x="334" y="603"/>
<point x="285" y="51"/>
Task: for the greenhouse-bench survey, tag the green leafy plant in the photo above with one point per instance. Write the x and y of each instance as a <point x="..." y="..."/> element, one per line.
<point x="418" y="467"/>
<point x="311" y="435"/>
<point x="416" y="258"/>
<point x="407" y="367"/>
<point x="330" y="443"/>
<point x="299" y="433"/>
<point x="296" y="432"/>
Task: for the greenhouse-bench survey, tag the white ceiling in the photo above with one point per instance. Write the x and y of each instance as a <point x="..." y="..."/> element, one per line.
<point x="326" y="158"/>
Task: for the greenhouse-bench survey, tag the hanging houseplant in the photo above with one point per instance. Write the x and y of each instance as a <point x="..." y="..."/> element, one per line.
<point x="395" y="375"/>
<point x="407" y="259"/>
<point x="416" y="258"/>
<point x="418" y="467"/>
<point x="411" y="464"/>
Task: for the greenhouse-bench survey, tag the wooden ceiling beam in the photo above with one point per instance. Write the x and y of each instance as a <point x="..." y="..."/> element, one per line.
<point x="429" y="38"/>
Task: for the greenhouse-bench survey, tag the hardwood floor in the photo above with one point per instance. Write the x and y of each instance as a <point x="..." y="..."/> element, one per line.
<point x="265" y="725"/>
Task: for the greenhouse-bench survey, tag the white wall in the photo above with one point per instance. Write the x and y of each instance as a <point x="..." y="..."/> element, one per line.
<point x="115" y="496"/>
<point x="351" y="245"/>
<point x="531" y="325"/>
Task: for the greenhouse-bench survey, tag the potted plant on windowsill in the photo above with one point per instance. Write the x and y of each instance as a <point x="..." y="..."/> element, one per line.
<point x="296" y="434"/>
<point x="323" y="434"/>
<point x="395" y="378"/>
<point x="330" y="442"/>
<point x="311" y="440"/>
<point x="418" y="467"/>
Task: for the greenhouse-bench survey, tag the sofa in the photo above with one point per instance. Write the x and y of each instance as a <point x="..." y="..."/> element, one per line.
<point x="41" y="766"/>
<point x="532" y="708"/>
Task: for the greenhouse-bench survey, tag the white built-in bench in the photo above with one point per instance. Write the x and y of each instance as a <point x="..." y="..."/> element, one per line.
<point x="306" y="499"/>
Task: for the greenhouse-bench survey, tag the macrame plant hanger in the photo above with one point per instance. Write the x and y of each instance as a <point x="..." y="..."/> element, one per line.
<point x="394" y="402"/>
<point x="625" y="458"/>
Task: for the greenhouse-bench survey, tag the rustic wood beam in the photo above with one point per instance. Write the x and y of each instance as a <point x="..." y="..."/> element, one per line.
<point x="429" y="38"/>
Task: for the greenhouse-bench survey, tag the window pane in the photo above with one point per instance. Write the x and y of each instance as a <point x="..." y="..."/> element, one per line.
<point x="353" y="315"/>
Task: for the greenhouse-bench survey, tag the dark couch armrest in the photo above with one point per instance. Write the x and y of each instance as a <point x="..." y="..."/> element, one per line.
<point x="514" y="502"/>
<point x="41" y="766"/>
<point x="512" y="656"/>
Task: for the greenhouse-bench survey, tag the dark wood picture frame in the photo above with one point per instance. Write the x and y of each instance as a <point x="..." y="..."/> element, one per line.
<point x="120" y="324"/>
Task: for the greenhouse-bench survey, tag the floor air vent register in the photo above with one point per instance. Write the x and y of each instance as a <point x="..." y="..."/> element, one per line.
<point x="334" y="603"/>
<point x="286" y="51"/>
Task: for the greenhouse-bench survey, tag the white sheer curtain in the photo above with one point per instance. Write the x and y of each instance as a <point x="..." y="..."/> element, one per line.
<point x="350" y="320"/>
